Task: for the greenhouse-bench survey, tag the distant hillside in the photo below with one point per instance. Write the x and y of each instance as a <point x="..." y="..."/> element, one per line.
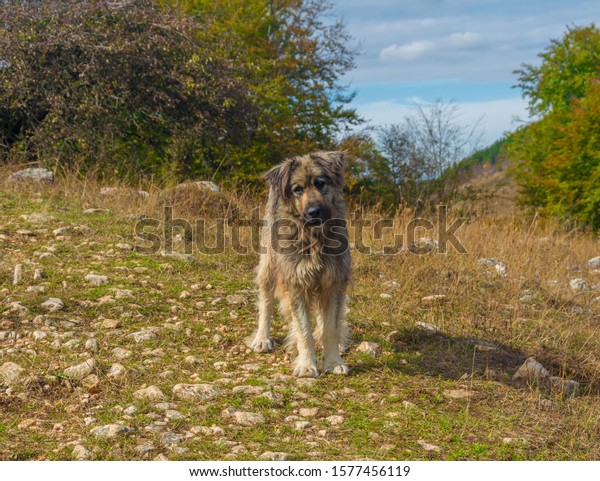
<point x="481" y="183"/>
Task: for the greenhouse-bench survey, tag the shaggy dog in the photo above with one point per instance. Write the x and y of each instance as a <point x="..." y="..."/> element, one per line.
<point x="305" y="261"/>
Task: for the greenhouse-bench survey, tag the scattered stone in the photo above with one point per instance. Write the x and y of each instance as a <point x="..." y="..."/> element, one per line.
<point x="191" y="392"/>
<point x="385" y="295"/>
<point x="214" y="431"/>
<point x="569" y="388"/>
<point x="171" y="439"/>
<point x="370" y="348"/>
<point x="531" y="370"/>
<point x="302" y="425"/>
<point x="252" y="390"/>
<point x="428" y="447"/>
<point x="458" y="393"/>
<point x="335" y="420"/>
<point x="236" y="299"/>
<point x="92" y="345"/>
<point x="81" y="453"/>
<point x="274" y="456"/>
<point x="91" y="383"/>
<point x="37" y="218"/>
<point x="117" y="372"/>
<point x="96" y="211"/>
<point x="122" y="293"/>
<point x="501" y="268"/>
<point x="244" y="418"/>
<point x="308" y="412"/>
<point x="80" y="371"/>
<point x="36" y="174"/>
<point x="10" y="372"/>
<point x="179" y="256"/>
<point x="17" y="274"/>
<point x="579" y="285"/>
<point x="594" y="263"/>
<point x="199" y="184"/>
<point x="151" y="393"/>
<point x="184" y="295"/>
<point x="111" y="431"/>
<point x="36" y="289"/>
<point x="110" y="323"/>
<point x="144" y="448"/>
<point x="433" y="299"/>
<point x="39" y="274"/>
<point x="425" y="326"/>
<point x="120" y="353"/>
<point x="53" y="304"/>
<point x="39" y="335"/>
<point x="96" y="280"/>
<point x="143" y="335"/>
<point x="160" y="457"/>
<point x="174" y="415"/>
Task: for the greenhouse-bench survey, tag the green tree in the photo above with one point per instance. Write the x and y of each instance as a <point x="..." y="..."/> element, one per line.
<point x="293" y="54"/>
<point x="558" y="156"/>
<point x="567" y="66"/>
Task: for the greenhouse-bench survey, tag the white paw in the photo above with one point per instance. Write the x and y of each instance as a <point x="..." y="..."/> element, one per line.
<point x="308" y="369"/>
<point x="261" y="345"/>
<point x="335" y="366"/>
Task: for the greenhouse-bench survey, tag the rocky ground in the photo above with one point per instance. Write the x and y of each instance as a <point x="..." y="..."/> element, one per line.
<point x="108" y="353"/>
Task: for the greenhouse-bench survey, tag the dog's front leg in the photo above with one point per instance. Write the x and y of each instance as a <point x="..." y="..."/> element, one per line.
<point x="305" y="365"/>
<point x="330" y="319"/>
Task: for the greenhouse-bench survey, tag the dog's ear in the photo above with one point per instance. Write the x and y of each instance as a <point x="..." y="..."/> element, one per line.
<point x="279" y="177"/>
<point x="336" y="164"/>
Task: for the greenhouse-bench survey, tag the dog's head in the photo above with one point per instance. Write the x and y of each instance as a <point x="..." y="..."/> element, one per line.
<point x="310" y="184"/>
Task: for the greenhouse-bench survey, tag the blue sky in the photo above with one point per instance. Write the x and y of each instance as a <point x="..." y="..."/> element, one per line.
<point x="459" y="50"/>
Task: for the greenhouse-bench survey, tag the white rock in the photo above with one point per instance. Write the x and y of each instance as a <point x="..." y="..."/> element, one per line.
<point x="308" y="412"/>
<point x="96" y="280"/>
<point x="10" y="372"/>
<point x="37" y="218"/>
<point x="244" y="418"/>
<point x="569" y="388"/>
<point x="427" y="327"/>
<point x="151" y="393"/>
<point x="531" y="370"/>
<point x="236" y="299"/>
<point x="117" y="371"/>
<point x="370" y="348"/>
<point x="81" y="453"/>
<point x="39" y="335"/>
<point x="433" y="299"/>
<point x="274" y="456"/>
<point x="121" y="353"/>
<point x="122" y="293"/>
<point x="578" y="285"/>
<point x="385" y="295"/>
<point x="80" y="371"/>
<point x="91" y="382"/>
<point x="37" y="289"/>
<point x="141" y="336"/>
<point x="110" y="431"/>
<point x="35" y="174"/>
<point x="427" y="446"/>
<point x="335" y="420"/>
<point x="192" y="392"/>
<point x="53" y="304"/>
<point x="594" y="262"/>
<point x="17" y="274"/>
<point x="92" y="345"/>
<point x="38" y="275"/>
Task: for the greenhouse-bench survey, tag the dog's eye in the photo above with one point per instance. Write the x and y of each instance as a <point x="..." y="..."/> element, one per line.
<point x="298" y="190"/>
<point x="319" y="184"/>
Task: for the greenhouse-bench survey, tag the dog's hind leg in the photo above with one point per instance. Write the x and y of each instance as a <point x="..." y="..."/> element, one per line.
<point x="331" y="323"/>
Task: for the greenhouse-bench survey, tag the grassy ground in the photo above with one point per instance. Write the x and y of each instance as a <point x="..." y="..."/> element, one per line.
<point x="447" y="394"/>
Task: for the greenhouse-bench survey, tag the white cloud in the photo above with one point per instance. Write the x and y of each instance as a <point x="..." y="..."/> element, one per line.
<point x="407" y="51"/>
<point x="410" y="51"/>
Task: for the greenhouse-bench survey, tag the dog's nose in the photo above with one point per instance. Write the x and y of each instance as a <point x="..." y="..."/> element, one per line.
<point x="313" y="212"/>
